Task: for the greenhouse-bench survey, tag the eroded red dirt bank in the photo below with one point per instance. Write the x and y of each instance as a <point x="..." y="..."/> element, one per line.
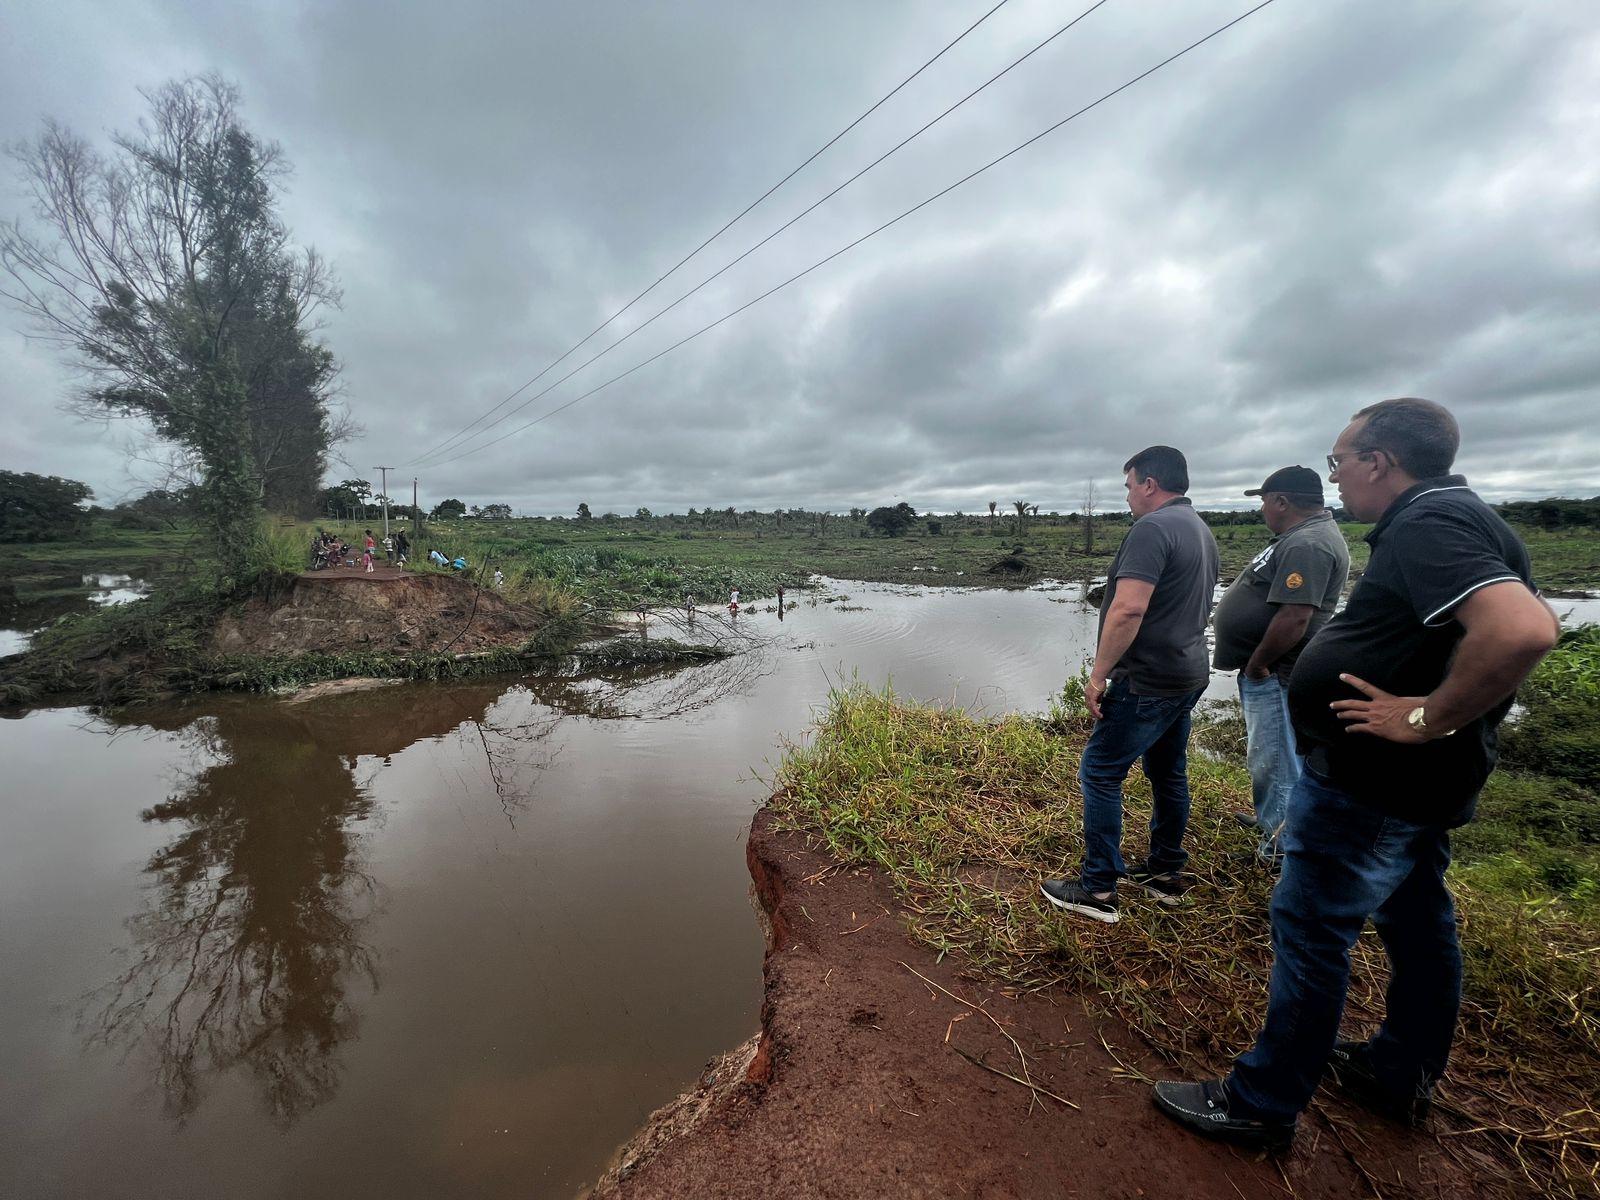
<point x="855" y="1087"/>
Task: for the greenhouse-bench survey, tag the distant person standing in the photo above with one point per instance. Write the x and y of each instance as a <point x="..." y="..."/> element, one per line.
<point x="388" y="549"/>
<point x="1396" y="704"/>
<point x="1265" y="619"/>
<point x="733" y="601"/>
<point x="402" y="547"/>
<point x="1150" y="669"/>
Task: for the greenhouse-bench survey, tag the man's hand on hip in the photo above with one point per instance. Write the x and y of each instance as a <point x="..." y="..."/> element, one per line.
<point x="1380" y="713"/>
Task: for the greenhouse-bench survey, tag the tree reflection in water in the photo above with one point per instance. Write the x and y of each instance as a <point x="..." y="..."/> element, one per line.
<point x="250" y="951"/>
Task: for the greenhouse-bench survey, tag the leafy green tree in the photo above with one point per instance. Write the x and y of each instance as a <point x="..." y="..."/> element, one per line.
<point x="892" y="522"/>
<point x="165" y="271"/>
<point x="643" y="514"/>
<point x="493" y="512"/>
<point x="343" y="499"/>
<point x="583" y="512"/>
<point x="448" y="510"/>
<point x="40" y="508"/>
<point x="158" y="509"/>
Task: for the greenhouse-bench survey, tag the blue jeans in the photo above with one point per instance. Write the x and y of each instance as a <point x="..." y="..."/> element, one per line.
<point x="1345" y="862"/>
<point x="1274" y="760"/>
<point x="1156" y="729"/>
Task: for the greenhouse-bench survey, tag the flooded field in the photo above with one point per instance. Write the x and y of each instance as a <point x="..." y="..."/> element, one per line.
<point x="69" y="594"/>
<point x="428" y="940"/>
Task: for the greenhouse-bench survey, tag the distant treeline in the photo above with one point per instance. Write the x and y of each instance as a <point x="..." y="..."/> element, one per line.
<point x="40" y="508"/>
<point x="1553" y="513"/>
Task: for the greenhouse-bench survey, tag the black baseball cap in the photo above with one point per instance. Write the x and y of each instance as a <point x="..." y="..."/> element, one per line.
<point x="1302" y="481"/>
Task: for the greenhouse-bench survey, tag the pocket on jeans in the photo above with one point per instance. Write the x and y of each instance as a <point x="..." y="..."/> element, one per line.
<point x="1154" y="707"/>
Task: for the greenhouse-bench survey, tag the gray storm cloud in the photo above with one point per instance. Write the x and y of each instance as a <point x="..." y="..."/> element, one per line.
<point x="1327" y="205"/>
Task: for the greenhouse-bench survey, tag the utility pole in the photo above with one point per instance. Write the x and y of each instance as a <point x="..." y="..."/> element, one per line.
<point x="385" y="486"/>
<point x="416" y="513"/>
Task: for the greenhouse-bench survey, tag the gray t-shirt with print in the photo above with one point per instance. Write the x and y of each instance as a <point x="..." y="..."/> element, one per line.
<point x="1307" y="565"/>
<point x="1173" y="549"/>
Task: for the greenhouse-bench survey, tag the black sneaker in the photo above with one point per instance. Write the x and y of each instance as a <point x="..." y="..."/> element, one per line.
<point x="1167" y="887"/>
<point x="1071" y="896"/>
<point x="1203" y="1108"/>
<point x="1352" y="1069"/>
<point x="1247" y="819"/>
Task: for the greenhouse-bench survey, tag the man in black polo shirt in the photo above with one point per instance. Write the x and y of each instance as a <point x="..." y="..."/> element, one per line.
<point x="1395" y="704"/>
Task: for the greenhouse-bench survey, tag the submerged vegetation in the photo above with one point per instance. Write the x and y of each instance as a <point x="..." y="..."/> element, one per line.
<point x="620" y="562"/>
<point x="158" y="647"/>
<point x="163" y="645"/>
<point x="965" y="815"/>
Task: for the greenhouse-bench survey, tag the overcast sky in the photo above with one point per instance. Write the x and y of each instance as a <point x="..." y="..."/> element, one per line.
<point x="1327" y="205"/>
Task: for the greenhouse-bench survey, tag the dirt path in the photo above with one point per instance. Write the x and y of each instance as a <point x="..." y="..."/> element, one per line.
<point x="380" y="573"/>
<point x="856" y="1087"/>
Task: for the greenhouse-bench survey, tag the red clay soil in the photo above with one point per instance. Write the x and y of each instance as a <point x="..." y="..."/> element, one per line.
<point x="389" y="610"/>
<point x="855" y="1086"/>
<point x="379" y="572"/>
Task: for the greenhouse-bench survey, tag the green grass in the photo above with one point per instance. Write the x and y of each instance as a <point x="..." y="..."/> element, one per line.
<point x="627" y="561"/>
<point x="40" y="567"/>
<point x="1559" y="732"/>
<point x="965" y="815"/>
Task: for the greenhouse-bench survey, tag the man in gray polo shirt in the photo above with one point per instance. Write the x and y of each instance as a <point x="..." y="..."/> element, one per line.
<point x="1266" y="618"/>
<point x="1150" y="669"/>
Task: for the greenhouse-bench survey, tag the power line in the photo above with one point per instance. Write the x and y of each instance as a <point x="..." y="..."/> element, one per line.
<point x="885" y="98"/>
<point x="864" y="237"/>
<point x="728" y="266"/>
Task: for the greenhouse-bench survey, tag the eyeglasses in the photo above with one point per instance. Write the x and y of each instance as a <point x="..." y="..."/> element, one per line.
<point x="1335" y="459"/>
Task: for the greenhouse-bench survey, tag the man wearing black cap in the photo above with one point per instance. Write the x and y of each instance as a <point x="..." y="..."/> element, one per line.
<point x="1275" y="606"/>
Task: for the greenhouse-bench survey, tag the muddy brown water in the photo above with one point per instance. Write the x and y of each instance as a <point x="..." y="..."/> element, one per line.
<point x="427" y="940"/>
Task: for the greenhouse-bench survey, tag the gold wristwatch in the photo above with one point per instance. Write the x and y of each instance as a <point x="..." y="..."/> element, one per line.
<point x="1417" y="719"/>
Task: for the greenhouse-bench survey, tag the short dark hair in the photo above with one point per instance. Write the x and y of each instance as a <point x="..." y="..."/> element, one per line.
<point x="1165" y="465"/>
<point x="1419" y="435"/>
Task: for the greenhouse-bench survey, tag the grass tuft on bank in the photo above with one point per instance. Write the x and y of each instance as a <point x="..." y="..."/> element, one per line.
<point x="965" y="815"/>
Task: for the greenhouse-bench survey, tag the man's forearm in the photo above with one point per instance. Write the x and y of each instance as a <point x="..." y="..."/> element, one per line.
<point x="1487" y="669"/>
<point x="1121" y="627"/>
<point x="1284" y="631"/>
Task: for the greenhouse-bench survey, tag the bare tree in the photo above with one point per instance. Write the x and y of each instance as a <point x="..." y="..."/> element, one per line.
<point x="1089" y="497"/>
<point x="165" y="272"/>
